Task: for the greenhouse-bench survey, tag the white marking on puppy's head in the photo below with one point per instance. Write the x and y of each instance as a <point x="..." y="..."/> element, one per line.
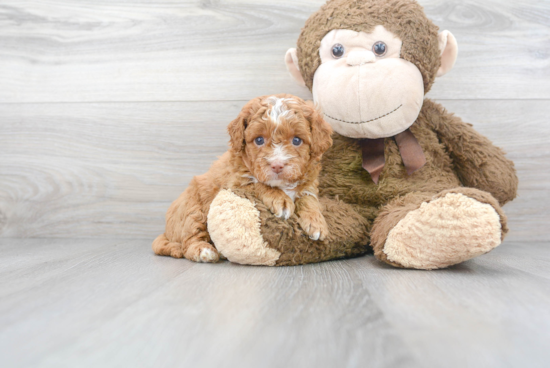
<point x="278" y="109"/>
<point x="278" y="154"/>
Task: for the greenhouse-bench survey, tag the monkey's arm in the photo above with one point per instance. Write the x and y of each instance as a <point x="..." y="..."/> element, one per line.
<point x="478" y="163"/>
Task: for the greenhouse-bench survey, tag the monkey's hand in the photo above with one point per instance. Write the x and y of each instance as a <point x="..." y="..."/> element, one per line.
<point x="477" y="162"/>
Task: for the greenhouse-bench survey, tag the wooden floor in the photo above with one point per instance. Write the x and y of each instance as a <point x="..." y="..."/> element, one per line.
<point x="112" y="303"/>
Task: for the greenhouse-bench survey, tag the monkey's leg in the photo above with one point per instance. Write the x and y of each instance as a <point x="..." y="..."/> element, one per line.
<point x="427" y="231"/>
<point x="246" y="232"/>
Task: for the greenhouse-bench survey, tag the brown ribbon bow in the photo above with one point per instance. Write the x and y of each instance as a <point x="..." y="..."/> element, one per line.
<point x="409" y="149"/>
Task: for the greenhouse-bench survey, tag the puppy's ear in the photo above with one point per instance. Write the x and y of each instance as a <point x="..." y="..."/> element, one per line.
<point x="236" y="132"/>
<point x="321" y="132"/>
<point x="237" y="127"/>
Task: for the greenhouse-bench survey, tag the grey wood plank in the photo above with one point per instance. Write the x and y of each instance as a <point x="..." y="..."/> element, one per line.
<point x="15" y="256"/>
<point x="112" y="169"/>
<point x="23" y="259"/>
<point x="52" y="303"/>
<point x="190" y="50"/>
<point x="119" y="161"/>
<point x="124" y="306"/>
<point x="492" y="311"/>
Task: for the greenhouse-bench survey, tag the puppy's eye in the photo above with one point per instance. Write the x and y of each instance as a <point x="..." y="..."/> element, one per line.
<point x="338" y="51"/>
<point x="379" y="48"/>
<point x="259" y="141"/>
<point x="296" y="141"/>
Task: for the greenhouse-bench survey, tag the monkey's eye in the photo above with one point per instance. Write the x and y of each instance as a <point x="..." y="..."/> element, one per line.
<point x="379" y="48"/>
<point x="296" y="141"/>
<point x="259" y="141"/>
<point x="338" y="51"/>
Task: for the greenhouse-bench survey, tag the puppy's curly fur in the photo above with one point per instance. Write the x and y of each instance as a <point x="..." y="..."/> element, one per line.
<point x="276" y="147"/>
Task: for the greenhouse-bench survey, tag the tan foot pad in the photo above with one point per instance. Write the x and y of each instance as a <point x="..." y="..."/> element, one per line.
<point x="234" y="227"/>
<point x="444" y="232"/>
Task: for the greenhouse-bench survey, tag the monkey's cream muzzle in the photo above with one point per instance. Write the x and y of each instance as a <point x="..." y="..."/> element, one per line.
<point x="363" y="95"/>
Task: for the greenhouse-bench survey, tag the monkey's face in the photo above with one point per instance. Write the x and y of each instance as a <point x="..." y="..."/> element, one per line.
<point x="363" y="87"/>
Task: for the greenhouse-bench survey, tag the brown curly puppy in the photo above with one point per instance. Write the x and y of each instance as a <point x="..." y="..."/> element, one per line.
<point x="276" y="147"/>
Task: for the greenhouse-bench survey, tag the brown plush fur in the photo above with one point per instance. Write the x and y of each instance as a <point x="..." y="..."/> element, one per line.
<point x="452" y="149"/>
<point x="250" y="165"/>
<point x="399" y="207"/>
<point x="348" y="233"/>
<point x="357" y="210"/>
<point x="456" y="155"/>
<point x="405" y="18"/>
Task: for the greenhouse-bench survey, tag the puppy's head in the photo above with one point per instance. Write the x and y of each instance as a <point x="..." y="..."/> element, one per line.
<point x="279" y="137"/>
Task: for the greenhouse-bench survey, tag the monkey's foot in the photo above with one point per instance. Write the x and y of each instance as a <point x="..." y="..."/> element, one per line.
<point x="449" y="229"/>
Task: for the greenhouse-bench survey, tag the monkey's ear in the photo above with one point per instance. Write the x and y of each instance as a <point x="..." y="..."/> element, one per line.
<point x="448" y="52"/>
<point x="291" y="61"/>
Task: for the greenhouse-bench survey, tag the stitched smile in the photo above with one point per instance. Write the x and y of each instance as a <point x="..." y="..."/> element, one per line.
<point x="366" y="121"/>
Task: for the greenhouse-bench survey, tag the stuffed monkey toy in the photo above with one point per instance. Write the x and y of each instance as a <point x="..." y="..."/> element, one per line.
<point x="404" y="177"/>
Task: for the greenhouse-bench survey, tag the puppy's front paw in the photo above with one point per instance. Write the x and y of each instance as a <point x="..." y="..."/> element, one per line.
<point x="313" y="223"/>
<point x="281" y="206"/>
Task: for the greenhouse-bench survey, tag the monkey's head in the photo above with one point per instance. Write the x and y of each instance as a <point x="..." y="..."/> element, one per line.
<point x="369" y="63"/>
